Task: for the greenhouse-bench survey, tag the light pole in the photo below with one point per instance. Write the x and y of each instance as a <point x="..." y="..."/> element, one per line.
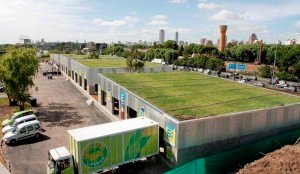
<point x="273" y="74"/>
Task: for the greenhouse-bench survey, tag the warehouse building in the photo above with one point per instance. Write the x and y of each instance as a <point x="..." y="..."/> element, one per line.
<point x="202" y="130"/>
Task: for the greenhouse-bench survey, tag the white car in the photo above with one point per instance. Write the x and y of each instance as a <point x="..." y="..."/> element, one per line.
<point x="18" y="121"/>
<point x="24" y="131"/>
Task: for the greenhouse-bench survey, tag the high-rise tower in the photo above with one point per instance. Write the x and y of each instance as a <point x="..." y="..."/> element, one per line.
<point x="161" y="36"/>
<point x="176" y="37"/>
<point x="222" y="44"/>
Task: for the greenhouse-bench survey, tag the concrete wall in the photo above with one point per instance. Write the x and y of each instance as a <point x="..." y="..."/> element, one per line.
<point x="195" y="135"/>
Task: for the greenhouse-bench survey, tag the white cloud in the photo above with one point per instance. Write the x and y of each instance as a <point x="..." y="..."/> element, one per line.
<point x="226" y="15"/>
<point x="116" y="23"/>
<point x="254" y="28"/>
<point x="297" y="24"/>
<point x="178" y="1"/>
<point x="207" y="6"/>
<point x="158" y="20"/>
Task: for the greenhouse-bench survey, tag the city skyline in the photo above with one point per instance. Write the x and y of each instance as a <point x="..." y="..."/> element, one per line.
<point x="93" y="21"/>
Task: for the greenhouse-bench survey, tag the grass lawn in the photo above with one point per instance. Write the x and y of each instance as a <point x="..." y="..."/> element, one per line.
<point x="75" y="56"/>
<point x="105" y="61"/>
<point x="187" y="95"/>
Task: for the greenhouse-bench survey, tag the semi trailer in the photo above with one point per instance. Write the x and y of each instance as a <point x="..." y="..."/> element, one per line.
<point x="104" y="147"/>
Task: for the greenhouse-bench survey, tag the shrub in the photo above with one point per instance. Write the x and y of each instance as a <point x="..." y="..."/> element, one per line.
<point x="285" y="76"/>
<point x="265" y="71"/>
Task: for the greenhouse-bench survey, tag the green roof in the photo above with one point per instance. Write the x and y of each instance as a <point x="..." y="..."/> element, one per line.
<point x="187" y="95"/>
<point x="105" y="61"/>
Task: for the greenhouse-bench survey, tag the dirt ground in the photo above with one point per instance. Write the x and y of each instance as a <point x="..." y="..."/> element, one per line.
<point x="285" y="160"/>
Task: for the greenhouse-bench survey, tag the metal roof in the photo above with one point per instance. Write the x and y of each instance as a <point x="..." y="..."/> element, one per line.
<point x="25" y="118"/>
<point x="59" y="153"/>
<point x="112" y="128"/>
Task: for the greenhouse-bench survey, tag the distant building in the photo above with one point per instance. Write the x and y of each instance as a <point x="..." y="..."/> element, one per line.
<point x="161" y="36"/>
<point x="101" y="46"/>
<point x="252" y="38"/>
<point x="241" y="43"/>
<point x="290" y="42"/>
<point x="176" y="37"/>
<point x="208" y="43"/>
<point x="182" y="43"/>
<point x="202" y="41"/>
<point x="24" y="39"/>
<point x="42" y="41"/>
<point x="257" y="41"/>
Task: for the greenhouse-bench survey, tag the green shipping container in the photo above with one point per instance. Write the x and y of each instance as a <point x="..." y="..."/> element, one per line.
<point x="105" y="146"/>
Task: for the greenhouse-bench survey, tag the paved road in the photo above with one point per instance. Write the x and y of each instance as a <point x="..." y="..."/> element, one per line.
<point x="61" y="107"/>
<point x="3" y="95"/>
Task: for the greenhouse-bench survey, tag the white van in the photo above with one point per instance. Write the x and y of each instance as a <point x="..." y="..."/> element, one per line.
<point x="23" y="131"/>
<point x="18" y="121"/>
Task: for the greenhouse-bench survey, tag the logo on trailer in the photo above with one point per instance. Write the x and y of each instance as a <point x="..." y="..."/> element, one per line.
<point x="94" y="154"/>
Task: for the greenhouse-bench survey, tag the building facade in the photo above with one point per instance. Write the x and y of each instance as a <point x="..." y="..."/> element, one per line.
<point x="161" y="36"/>
<point x="252" y="38"/>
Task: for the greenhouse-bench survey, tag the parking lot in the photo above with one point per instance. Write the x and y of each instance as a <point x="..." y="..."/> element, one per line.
<point x="60" y="107"/>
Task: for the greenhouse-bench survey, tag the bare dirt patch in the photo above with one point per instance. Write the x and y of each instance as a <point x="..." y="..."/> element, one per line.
<point x="284" y="160"/>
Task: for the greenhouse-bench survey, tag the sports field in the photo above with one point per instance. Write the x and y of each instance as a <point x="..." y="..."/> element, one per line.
<point x="187" y="95"/>
<point x="105" y="61"/>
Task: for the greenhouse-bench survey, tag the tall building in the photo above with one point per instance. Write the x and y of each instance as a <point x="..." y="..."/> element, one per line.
<point x="290" y="42"/>
<point x="252" y="38"/>
<point x="223" y="29"/>
<point x="176" y="37"/>
<point x="202" y="41"/>
<point x="208" y="43"/>
<point x="161" y="36"/>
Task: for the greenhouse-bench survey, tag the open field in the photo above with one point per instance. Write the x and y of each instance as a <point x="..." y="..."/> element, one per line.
<point x="105" y="61"/>
<point x="188" y="95"/>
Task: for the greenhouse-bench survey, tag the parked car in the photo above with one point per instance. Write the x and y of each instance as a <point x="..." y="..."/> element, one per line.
<point x="24" y="131"/>
<point x="1" y="87"/>
<point x="16" y="115"/>
<point x="18" y="121"/>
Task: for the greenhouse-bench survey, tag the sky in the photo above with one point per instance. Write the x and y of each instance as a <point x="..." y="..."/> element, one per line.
<point x="134" y="20"/>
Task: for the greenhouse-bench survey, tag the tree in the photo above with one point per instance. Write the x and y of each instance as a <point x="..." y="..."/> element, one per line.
<point x="296" y="69"/>
<point x="134" y="64"/>
<point x="170" y="56"/>
<point x="180" y="51"/>
<point x="17" y="69"/>
<point x="215" y="64"/>
<point x="94" y="54"/>
<point x="130" y="64"/>
<point x="171" y="44"/>
<point x="188" y="50"/>
<point x="265" y="71"/>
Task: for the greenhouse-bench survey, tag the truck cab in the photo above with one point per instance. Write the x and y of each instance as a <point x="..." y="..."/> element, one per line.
<point x="60" y="161"/>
